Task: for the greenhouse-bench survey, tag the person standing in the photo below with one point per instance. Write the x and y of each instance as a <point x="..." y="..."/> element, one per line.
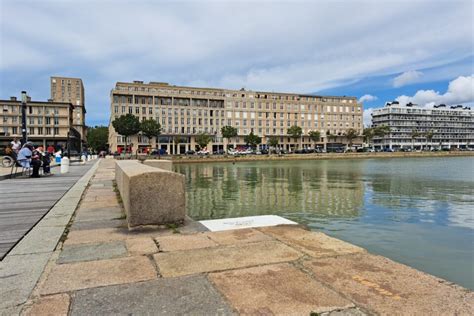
<point x="16" y="145"/>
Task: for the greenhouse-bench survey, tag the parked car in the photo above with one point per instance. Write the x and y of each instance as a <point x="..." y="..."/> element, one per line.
<point x="219" y="152"/>
<point x="158" y="152"/>
<point x="190" y="152"/>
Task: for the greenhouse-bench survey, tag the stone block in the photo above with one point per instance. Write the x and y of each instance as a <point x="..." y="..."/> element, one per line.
<point x="159" y="163"/>
<point x="184" y="242"/>
<point x="150" y="196"/>
<point x="238" y="236"/>
<point x="279" y="289"/>
<point x="177" y="263"/>
<point x="90" y="252"/>
<point x="141" y="246"/>
<point x="385" y="287"/>
<point x="83" y="275"/>
<point x="193" y="295"/>
<point x="49" y="305"/>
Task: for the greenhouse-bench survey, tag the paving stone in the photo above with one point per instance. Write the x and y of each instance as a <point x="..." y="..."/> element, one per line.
<point x="39" y="239"/>
<point x="386" y="287"/>
<point x="18" y="275"/>
<point x="141" y="246"/>
<point x="175" y="296"/>
<point x="82" y="275"/>
<point x="89" y="252"/>
<point x="99" y="214"/>
<point x="315" y="244"/>
<point x="222" y="258"/>
<point x="237" y="236"/>
<point x="345" y="312"/>
<point x="98" y="224"/>
<point x="100" y="204"/>
<point x="49" y="305"/>
<point x="276" y="289"/>
<point x="110" y="234"/>
<point x="184" y="242"/>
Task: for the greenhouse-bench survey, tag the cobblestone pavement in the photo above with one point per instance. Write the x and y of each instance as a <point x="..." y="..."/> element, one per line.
<point x="102" y="268"/>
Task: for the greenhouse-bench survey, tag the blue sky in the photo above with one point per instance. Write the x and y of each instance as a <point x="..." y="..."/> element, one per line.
<point x="418" y="51"/>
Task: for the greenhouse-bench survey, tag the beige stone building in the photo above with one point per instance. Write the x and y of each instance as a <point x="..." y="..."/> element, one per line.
<point x="183" y="112"/>
<point x="71" y="90"/>
<point x="46" y="122"/>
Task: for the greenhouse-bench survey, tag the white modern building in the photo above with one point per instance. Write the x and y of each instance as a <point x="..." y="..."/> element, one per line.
<point x="413" y="126"/>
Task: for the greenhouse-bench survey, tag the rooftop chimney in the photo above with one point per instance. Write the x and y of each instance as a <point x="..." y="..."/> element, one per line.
<point x="12" y="98"/>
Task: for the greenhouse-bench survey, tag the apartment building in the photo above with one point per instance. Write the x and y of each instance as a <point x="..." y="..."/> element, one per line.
<point x="71" y="90"/>
<point x="420" y="127"/>
<point x="47" y="122"/>
<point x="183" y="112"/>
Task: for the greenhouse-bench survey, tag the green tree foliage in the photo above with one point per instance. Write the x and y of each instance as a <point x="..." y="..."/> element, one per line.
<point x="150" y="128"/>
<point x="350" y="135"/>
<point x="315" y="136"/>
<point x="295" y="132"/>
<point x="229" y="132"/>
<point x="126" y="125"/>
<point x="202" y="139"/>
<point x="98" y="137"/>
<point x="273" y="141"/>
<point x="381" y="130"/>
<point x="368" y="134"/>
<point x="252" y="140"/>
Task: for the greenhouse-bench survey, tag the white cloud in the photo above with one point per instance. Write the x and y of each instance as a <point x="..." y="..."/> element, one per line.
<point x="367" y="116"/>
<point x="276" y="45"/>
<point x="408" y="77"/>
<point x="460" y="91"/>
<point x="367" y="98"/>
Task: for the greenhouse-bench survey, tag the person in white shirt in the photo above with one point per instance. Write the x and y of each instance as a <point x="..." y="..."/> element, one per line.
<point x="16" y="145"/>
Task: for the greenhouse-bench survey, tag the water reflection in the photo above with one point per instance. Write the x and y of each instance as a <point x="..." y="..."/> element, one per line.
<point x="226" y="190"/>
<point x="416" y="211"/>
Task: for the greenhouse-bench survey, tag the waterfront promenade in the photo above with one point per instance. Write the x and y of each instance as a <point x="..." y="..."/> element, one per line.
<point x="26" y="200"/>
<point x="97" y="266"/>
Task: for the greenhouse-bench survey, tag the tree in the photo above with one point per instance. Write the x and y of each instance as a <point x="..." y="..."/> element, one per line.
<point x="414" y="134"/>
<point x="381" y="131"/>
<point x="429" y="136"/>
<point x="126" y="125"/>
<point x="252" y="140"/>
<point x="368" y="134"/>
<point x="98" y="137"/>
<point x="202" y="139"/>
<point x="150" y="128"/>
<point x="228" y="132"/>
<point x="350" y="135"/>
<point x="315" y="136"/>
<point x="273" y="141"/>
<point x="295" y="132"/>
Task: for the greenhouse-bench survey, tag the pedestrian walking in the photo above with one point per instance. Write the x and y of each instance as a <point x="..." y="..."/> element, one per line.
<point x="16" y="145"/>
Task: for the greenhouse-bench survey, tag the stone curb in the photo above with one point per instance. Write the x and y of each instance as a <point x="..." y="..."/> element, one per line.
<point x="21" y="269"/>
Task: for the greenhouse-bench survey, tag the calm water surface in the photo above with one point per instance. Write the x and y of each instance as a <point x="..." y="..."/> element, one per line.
<point x="416" y="211"/>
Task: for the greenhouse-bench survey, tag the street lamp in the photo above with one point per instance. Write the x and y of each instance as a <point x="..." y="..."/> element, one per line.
<point x="24" y="99"/>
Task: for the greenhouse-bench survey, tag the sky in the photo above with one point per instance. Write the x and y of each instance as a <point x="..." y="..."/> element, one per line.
<point x="407" y="50"/>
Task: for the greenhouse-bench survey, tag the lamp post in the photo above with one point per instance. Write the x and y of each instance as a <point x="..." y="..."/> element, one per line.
<point x="24" y="99"/>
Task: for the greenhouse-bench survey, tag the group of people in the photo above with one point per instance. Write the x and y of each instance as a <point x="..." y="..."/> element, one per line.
<point x="27" y="156"/>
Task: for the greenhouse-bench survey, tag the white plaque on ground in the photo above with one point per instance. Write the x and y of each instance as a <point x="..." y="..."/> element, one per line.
<point x="245" y="222"/>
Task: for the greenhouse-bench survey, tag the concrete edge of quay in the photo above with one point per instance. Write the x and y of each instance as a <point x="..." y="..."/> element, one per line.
<point x="325" y="156"/>
<point x="21" y="269"/>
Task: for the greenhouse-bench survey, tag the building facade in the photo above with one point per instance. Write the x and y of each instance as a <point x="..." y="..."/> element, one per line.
<point x="71" y="90"/>
<point x="183" y="112"/>
<point x="46" y="122"/>
<point x="413" y="126"/>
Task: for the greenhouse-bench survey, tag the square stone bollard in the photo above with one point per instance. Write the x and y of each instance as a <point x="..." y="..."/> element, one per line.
<point x="151" y="196"/>
<point x="159" y="163"/>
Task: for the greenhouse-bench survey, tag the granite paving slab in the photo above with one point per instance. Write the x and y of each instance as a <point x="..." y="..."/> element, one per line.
<point x="82" y="275"/>
<point x="238" y="236"/>
<point x="314" y="244"/>
<point x="386" y="287"/>
<point x="175" y="296"/>
<point x="184" y="242"/>
<point x="178" y="263"/>
<point x="49" y="305"/>
<point x="276" y="289"/>
<point x="89" y="252"/>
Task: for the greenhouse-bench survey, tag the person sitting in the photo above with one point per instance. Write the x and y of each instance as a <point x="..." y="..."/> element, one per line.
<point x="46" y="160"/>
<point x="35" y="163"/>
<point x="24" y="156"/>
